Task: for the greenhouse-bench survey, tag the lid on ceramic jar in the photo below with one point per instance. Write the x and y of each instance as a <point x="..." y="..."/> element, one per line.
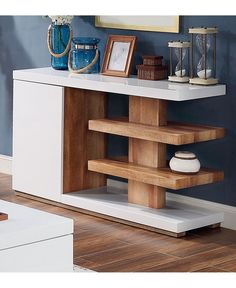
<point x="185" y="155"/>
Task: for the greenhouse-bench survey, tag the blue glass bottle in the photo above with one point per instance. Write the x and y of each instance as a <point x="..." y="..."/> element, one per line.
<point x="60" y="38"/>
<point x="83" y="52"/>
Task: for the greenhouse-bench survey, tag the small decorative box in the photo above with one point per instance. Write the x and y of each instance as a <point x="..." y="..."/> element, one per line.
<point x="150" y="72"/>
<point x="152" y="60"/>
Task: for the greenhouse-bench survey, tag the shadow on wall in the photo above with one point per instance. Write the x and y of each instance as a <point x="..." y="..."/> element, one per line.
<point x="12" y="56"/>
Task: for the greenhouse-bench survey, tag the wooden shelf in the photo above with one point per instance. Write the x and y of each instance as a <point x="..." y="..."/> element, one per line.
<point x="173" y="133"/>
<point x="162" y="177"/>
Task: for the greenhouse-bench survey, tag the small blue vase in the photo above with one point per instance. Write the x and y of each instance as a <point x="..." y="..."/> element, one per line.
<point x="60" y="37"/>
<point x="83" y="52"/>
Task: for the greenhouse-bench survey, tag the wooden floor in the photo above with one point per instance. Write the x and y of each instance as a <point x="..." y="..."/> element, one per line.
<point x="106" y="246"/>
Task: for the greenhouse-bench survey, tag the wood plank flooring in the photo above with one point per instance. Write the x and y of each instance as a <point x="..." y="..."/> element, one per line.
<point x="106" y="246"/>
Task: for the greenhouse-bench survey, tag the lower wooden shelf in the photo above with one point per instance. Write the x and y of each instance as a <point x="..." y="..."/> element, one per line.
<point x="162" y="177"/>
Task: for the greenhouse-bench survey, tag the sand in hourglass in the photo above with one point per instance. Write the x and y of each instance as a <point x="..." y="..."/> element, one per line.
<point x="201" y="73"/>
<point x="178" y="73"/>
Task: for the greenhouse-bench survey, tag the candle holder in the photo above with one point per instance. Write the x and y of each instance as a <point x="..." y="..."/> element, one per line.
<point x="180" y="60"/>
<point x="203" y="48"/>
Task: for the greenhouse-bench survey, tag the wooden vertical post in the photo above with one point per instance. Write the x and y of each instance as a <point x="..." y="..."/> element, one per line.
<point x="147" y="153"/>
<point x="80" y="144"/>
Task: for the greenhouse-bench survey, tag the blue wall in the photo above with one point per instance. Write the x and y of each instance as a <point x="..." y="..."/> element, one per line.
<point x="23" y="45"/>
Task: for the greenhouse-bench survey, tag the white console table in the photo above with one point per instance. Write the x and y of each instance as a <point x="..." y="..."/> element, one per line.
<point x="34" y="241"/>
<point x="59" y="150"/>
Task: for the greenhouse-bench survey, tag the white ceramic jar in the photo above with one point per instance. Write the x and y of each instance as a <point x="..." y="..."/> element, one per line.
<point x="185" y="162"/>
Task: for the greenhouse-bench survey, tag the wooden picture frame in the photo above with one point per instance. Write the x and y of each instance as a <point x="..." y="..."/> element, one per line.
<point x="118" y="55"/>
<point x="155" y="23"/>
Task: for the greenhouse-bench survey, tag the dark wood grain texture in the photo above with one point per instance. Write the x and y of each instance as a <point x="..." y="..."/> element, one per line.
<point x="210" y="269"/>
<point x="198" y="261"/>
<point x="227" y="265"/>
<point x="102" y="245"/>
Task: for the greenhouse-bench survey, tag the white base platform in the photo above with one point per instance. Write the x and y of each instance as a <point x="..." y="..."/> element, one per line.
<point x="176" y="217"/>
<point x="34" y="241"/>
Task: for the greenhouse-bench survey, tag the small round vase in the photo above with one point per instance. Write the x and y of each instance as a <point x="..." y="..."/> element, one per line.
<point x="84" y="55"/>
<point x="185" y="162"/>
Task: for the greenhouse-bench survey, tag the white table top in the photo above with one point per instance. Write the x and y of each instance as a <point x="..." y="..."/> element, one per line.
<point x="26" y="225"/>
<point x="129" y="86"/>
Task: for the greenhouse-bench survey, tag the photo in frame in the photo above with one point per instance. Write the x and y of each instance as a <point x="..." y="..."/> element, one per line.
<point x="118" y="55"/>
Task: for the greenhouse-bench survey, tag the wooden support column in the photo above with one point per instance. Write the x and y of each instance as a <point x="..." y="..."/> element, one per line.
<point x="147" y="153"/>
<point x="80" y="144"/>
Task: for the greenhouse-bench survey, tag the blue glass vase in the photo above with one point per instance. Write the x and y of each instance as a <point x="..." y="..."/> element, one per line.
<point x="85" y="56"/>
<point x="60" y="40"/>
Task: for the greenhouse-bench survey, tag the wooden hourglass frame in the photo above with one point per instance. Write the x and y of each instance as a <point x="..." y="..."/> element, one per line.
<point x="206" y="76"/>
<point x="182" y="74"/>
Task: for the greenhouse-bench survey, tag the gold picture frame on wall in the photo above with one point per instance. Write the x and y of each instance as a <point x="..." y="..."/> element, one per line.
<point x="144" y="23"/>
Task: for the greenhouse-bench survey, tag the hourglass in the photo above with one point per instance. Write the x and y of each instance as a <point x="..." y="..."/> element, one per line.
<point x="179" y="65"/>
<point x="205" y="70"/>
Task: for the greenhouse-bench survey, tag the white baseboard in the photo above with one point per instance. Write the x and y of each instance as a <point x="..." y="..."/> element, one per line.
<point x="5" y="164"/>
<point x="229" y="211"/>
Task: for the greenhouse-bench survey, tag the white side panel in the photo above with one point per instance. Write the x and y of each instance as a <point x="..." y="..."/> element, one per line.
<point x="37" y="139"/>
<point x="54" y="255"/>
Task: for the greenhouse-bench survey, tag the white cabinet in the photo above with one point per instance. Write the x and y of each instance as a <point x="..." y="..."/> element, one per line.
<point x="37" y="139"/>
